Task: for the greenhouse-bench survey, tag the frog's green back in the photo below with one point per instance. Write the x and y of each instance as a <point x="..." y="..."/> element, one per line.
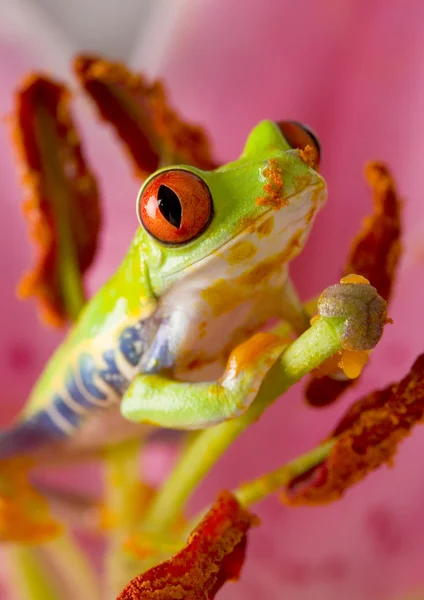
<point x="124" y="298"/>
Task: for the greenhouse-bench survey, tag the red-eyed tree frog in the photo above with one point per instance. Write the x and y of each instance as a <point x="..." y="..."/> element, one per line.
<point x="172" y="338"/>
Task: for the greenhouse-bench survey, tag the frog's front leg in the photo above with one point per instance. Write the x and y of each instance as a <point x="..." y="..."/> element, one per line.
<point x="159" y="400"/>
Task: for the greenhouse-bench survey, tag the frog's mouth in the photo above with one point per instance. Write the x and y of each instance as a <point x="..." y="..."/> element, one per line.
<point x="294" y="217"/>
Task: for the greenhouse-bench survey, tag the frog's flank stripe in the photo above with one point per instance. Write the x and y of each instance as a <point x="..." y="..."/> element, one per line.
<point x="67" y="411"/>
<point x="111" y="375"/>
<point x="87" y="371"/>
<point x="95" y="385"/>
<point x="131" y="344"/>
<point x="74" y="396"/>
<point x="95" y="382"/>
<point x="59" y="414"/>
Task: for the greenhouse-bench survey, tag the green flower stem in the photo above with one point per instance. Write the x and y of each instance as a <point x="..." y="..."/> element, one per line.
<point x="260" y="488"/>
<point x="40" y="570"/>
<point x="318" y="343"/>
<point x="71" y="283"/>
<point x="72" y="567"/>
<point x="31" y="580"/>
<point x="256" y="490"/>
<point x="123" y="507"/>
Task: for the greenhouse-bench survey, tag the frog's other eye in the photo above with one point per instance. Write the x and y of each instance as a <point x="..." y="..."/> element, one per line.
<point x="299" y="136"/>
<point x="175" y="206"/>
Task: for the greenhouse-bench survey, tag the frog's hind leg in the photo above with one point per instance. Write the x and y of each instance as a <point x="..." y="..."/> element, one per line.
<point x="28" y="435"/>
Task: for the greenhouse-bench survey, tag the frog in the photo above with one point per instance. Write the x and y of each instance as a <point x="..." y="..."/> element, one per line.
<point x="177" y="337"/>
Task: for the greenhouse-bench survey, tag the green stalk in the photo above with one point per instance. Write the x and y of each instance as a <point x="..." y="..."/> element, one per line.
<point x="44" y="572"/>
<point x="31" y="579"/>
<point x="72" y="568"/>
<point x="252" y="492"/>
<point x="316" y="345"/>
<point x="123" y="505"/>
<point x="256" y="490"/>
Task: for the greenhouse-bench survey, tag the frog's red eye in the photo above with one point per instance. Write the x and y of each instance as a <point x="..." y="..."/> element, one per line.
<point x="175" y="206"/>
<point x="299" y="136"/>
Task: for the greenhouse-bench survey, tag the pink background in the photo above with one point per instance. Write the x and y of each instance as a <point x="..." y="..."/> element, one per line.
<point x="354" y="70"/>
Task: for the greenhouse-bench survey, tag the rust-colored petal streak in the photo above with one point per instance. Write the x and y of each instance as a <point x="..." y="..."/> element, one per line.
<point x="62" y="207"/>
<point x="376" y="248"/>
<point x="152" y="132"/>
<point x="367" y="436"/>
<point x="213" y="555"/>
<point x="24" y="513"/>
<point x="375" y="254"/>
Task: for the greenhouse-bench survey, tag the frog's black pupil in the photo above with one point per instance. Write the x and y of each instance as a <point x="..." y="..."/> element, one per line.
<point x="170" y="205"/>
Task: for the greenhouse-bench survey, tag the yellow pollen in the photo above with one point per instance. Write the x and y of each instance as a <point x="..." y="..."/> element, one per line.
<point x="354" y="279"/>
<point x="352" y="362"/>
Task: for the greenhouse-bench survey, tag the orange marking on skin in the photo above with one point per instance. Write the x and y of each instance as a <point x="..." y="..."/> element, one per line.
<point x="261" y="271"/>
<point x="353" y="278"/>
<point x="239" y="336"/>
<point x="248" y="353"/>
<point x="202" y="329"/>
<point x="265" y="228"/>
<point x="309" y="155"/>
<point x="268" y="266"/>
<point x="247" y="225"/>
<point x="223" y="296"/>
<point x="242" y="250"/>
<point x="311" y="213"/>
<point x="273" y="188"/>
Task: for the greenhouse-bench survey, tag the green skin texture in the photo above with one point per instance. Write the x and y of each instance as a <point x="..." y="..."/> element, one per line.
<point x="150" y="269"/>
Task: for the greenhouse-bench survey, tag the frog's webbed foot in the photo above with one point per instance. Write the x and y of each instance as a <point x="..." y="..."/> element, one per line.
<point x="164" y="402"/>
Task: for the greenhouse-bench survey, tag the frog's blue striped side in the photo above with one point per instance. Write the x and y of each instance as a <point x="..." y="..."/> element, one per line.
<point x="92" y="383"/>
